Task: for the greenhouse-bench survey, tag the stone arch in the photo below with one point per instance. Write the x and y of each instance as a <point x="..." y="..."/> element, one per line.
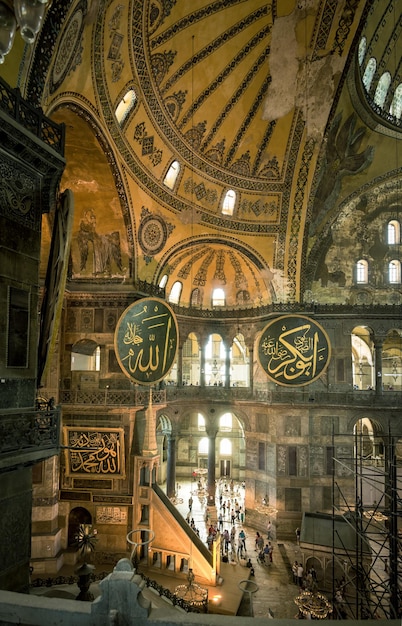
<point x="78" y="515"/>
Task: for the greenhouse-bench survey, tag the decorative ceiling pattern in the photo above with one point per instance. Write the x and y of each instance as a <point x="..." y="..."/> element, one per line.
<point x="243" y="95"/>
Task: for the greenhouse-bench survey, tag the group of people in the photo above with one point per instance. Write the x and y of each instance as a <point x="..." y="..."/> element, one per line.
<point x="304" y="579"/>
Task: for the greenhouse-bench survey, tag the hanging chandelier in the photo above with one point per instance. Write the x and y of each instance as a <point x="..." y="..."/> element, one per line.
<point x="192" y="594"/>
<point x="23" y="15"/>
<point x="313" y="605"/>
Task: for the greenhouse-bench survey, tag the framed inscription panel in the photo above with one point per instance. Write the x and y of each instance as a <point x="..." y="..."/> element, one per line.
<point x="95" y="452"/>
<point x="146" y="340"/>
<point x="294" y="350"/>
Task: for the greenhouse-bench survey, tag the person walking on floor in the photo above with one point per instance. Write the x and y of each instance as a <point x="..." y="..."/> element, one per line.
<point x="300" y="572"/>
<point x="269" y="530"/>
<point x="271" y="549"/>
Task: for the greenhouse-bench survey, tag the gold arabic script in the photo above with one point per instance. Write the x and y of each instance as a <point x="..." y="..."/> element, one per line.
<point x="295" y="353"/>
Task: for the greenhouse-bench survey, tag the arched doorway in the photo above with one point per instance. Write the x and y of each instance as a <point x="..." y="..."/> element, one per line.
<point x="77" y="516"/>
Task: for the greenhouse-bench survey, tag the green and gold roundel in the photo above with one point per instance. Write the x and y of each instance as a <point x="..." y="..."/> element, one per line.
<point x="293" y="350"/>
<point x="146" y="340"/>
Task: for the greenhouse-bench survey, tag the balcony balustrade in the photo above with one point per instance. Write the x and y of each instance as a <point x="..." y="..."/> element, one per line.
<point x="29" y="436"/>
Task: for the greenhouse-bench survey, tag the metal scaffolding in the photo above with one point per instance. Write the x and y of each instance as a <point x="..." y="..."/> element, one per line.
<point x="371" y="585"/>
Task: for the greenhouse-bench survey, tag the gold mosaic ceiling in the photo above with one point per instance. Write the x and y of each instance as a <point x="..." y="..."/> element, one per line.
<point x="239" y="92"/>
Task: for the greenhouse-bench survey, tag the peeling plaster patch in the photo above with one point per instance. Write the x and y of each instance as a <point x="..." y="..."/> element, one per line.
<point x="315" y="91"/>
<point x="283" y="66"/>
<point x="115" y="208"/>
<point x="296" y="81"/>
<point x="90" y="186"/>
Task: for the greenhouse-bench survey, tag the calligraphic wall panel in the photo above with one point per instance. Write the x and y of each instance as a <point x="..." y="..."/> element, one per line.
<point x="294" y="350"/>
<point x="95" y="452"/>
<point x="111" y="514"/>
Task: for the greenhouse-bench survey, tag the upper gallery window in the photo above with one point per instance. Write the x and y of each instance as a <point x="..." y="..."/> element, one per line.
<point x="229" y="202"/>
<point x="125" y="106"/>
<point x="175" y="292"/>
<point x="362" y="49"/>
<point x="362" y="271"/>
<point x="382" y="89"/>
<point x="394" y="272"/>
<point x="163" y="281"/>
<point x="218" y="297"/>
<point x="393" y="232"/>
<point x="369" y="73"/>
<point x="396" y="104"/>
<point x="172" y="174"/>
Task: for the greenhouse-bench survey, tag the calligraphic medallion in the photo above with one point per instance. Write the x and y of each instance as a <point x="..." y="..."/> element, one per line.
<point x="146" y="340"/>
<point x="294" y="350"/>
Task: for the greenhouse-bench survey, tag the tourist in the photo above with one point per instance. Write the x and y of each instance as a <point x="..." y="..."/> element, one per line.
<point x="269" y="530"/>
<point x="300" y="572"/>
<point x="266" y="554"/>
<point x="271" y="549"/>
<point x="294" y="572"/>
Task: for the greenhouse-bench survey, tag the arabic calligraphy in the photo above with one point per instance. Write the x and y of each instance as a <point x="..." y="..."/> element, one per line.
<point x="146" y="340"/>
<point x="294" y="350"/>
<point x="96" y="452"/>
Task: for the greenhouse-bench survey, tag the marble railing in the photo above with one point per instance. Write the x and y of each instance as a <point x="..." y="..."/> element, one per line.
<point x="173" y="393"/>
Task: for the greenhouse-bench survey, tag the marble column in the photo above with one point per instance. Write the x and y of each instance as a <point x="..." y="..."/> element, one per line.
<point x="171" y="467"/>
<point x="378" y="344"/>
<point x="211" y="432"/>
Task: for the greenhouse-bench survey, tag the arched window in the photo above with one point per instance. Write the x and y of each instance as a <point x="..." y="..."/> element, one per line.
<point x="229" y="202"/>
<point x="218" y="297"/>
<point x="396" y="105"/>
<point x="172" y="174"/>
<point x="225" y="447"/>
<point x="196" y="297"/>
<point x="362" y="49"/>
<point x="369" y="73"/>
<point x="362" y="272"/>
<point x="203" y="445"/>
<point x="175" y="292"/>
<point x="163" y="281"/>
<point x="225" y="423"/>
<point x="125" y="106"/>
<point x="393" y="232"/>
<point x="85" y="356"/>
<point x="201" y="422"/>
<point x="382" y="89"/>
<point x="394" y="272"/>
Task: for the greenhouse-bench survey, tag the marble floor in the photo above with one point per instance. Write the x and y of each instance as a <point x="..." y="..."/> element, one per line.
<point x="276" y="590"/>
